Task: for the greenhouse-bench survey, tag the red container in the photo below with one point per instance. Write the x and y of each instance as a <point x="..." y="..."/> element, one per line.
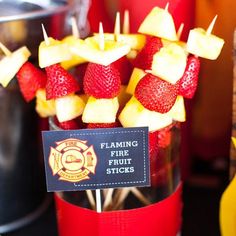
<point x="162" y="218"/>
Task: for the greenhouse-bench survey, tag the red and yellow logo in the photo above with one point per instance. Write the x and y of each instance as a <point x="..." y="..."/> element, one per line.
<point x="73" y="160"/>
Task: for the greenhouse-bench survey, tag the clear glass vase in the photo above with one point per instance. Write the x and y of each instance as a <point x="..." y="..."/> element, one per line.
<point x="164" y="147"/>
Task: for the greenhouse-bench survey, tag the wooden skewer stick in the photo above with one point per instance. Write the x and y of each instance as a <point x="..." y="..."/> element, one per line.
<point x="167" y="6"/>
<point x="180" y="30"/>
<point x="117" y="27"/>
<point x="108" y="199"/>
<point x="75" y="30"/>
<point x="211" y="26"/>
<point x="140" y="196"/>
<point x="126" y="23"/>
<point x="5" y="50"/>
<point x="91" y="198"/>
<point x="122" y="196"/>
<point x="45" y="36"/>
<point x="101" y="37"/>
<point x="98" y="200"/>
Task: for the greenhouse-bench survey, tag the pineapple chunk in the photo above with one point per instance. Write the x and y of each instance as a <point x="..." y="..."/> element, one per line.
<point x="135" y="115"/>
<point x="204" y="45"/>
<point x="69" y="107"/>
<point x="169" y="63"/>
<point x="132" y="54"/>
<point x="135" y="41"/>
<point x="44" y="108"/>
<point x="11" y="64"/>
<point x="53" y="53"/>
<point x="177" y="112"/>
<point x="72" y="41"/>
<point x="91" y="52"/>
<point x="159" y="23"/>
<point x="136" y="76"/>
<point x="100" y="110"/>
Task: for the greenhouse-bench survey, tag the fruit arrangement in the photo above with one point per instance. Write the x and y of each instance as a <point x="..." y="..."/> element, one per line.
<point x="116" y="79"/>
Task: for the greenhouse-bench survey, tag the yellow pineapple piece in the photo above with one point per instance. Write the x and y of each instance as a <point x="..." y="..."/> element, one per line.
<point x="11" y="63"/>
<point x="135" y="114"/>
<point x="69" y="107"/>
<point x="44" y="108"/>
<point x="92" y="52"/>
<point x="52" y="52"/>
<point x="169" y="63"/>
<point x="135" y="41"/>
<point x="72" y="41"/>
<point x="136" y="76"/>
<point x="100" y="110"/>
<point x="204" y="45"/>
<point x="177" y="112"/>
<point x="159" y="23"/>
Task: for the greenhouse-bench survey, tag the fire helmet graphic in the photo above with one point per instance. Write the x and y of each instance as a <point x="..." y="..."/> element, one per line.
<point x="72" y="160"/>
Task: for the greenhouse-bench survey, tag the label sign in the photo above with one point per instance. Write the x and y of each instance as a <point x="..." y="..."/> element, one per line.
<point x="96" y="158"/>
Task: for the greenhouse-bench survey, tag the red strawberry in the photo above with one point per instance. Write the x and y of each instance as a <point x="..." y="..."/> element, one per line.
<point x="101" y="81"/>
<point x="79" y="72"/>
<point x="164" y="137"/>
<point x="67" y="125"/>
<point x="103" y="125"/>
<point x="189" y="81"/>
<point x="125" y="68"/>
<point x="59" y="83"/>
<point x="145" y="56"/>
<point x="30" y="79"/>
<point x="156" y="94"/>
<point x="153" y="141"/>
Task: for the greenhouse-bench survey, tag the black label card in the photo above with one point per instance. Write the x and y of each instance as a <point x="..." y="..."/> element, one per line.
<point x="96" y="158"/>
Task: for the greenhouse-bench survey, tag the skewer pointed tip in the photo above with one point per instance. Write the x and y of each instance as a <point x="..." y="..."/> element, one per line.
<point x="211" y="26"/>
<point x="45" y="36"/>
<point x="126" y="23"/>
<point x="117" y="26"/>
<point x="5" y="50"/>
<point x="180" y="30"/>
<point x="167" y="6"/>
<point x="75" y="30"/>
<point x="101" y="37"/>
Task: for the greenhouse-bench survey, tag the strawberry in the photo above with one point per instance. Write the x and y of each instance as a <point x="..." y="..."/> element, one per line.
<point x="189" y="81"/>
<point x="124" y="66"/>
<point x="159" y="144"/>
<point x="156" y="94"/>
<point x="59" y="83"/>
<point x="67" y="125"/>
<point x="164" y="137"/>
<point x="153" y="141"/>
<point x="79" y="72"/>
<point x="30" y="79"/>
<point x="145" y="56"/>
<point x="103" y="125"/>
<point x="101" y="81"/>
